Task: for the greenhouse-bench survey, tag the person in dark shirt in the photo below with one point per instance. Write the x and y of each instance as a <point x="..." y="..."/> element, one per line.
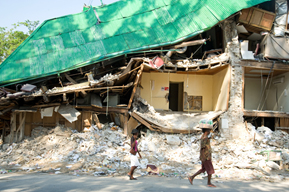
<point x="205" y="157"/>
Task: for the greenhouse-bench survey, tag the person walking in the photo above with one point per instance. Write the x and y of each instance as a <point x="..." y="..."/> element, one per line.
<point x="134" y="163"/>
<point x="205" y="157"/>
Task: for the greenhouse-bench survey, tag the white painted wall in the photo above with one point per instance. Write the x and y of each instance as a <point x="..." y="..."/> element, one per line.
<point x="221" y="81"/>
<point x="253" y="93"/>
<point x="282" y="95"/>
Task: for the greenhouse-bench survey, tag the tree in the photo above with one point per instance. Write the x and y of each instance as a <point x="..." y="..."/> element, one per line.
<point x="12" y="38"/>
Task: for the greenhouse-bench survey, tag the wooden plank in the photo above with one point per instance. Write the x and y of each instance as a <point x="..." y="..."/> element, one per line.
<point x="96" y="121"/>
<point x="71" y="125"/>
<point x="103" y="109"/>
<point x="246" y="16"/>
<point x="129" y="65"/>
<point x="139" y="74"/>
<point x="142" y="121"/>
<point x="121" y="119"/>
<point x="249" y="113"/>
<point x="264" y="65"/>
<point x="282" y="128"/>
<point x="9" y="90"/>
<point x="24" y="110"/>
<point x="112" y="116"/>
<point x="83" y="93"/>
<point x="12" y="127"/>
<point x="37" y="117"/>
<point x="125" y="121"/>
<point x="20" y="125"/>
<point x="257" y="18"/>
<point x="277" y="124"/>
<point x="57" y="118"/>
<point x="46" y="105"/>
<point x="262" y="121"/>
<point x="6" y="110"/>
<point x="166" y="130"/>
<point x="246" y="125"/>
<point x="47" y="120"/>
<point x="28" y="127"/>
<point x="86" y="119"/>
<point x="284" y="122"/>
<point x="132" y="124"/>
<point x="82" y="123"/>
<point x="22" y="128"/>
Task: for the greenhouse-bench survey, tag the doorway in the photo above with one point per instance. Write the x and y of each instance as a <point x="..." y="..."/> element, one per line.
<point x="176" y="91"/>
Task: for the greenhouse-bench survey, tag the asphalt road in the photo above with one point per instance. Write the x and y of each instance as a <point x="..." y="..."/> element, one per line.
<point x="67" y="183"/>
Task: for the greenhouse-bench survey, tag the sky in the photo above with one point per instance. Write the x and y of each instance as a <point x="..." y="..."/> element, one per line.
<point x="20" y="10"/>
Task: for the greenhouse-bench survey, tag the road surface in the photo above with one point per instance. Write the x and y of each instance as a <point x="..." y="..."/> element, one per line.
<point x="41" y="182"/>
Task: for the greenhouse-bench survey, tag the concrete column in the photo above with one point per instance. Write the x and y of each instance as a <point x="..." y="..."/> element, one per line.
<point x="234" y="115"/>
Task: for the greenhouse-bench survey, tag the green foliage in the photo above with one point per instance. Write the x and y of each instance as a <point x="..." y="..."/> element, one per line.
<point x="12" y="38"/>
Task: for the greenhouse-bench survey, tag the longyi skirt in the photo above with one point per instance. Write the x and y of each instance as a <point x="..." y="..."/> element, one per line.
<point x="207" y="166"/>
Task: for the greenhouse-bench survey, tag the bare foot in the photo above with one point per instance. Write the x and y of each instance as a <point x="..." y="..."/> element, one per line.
<point x="211" y="185"/>
<point x="190" y="180"/>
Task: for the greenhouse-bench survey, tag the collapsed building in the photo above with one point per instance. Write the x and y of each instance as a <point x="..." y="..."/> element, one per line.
<point x="161" y="65"/>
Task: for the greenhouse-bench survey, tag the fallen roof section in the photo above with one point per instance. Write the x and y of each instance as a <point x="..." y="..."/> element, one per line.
<point x="170" y="122"/>
<point x="69" y="42"/>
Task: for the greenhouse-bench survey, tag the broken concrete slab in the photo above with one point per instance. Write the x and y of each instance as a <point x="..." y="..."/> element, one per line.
<point x="68" y="112"/>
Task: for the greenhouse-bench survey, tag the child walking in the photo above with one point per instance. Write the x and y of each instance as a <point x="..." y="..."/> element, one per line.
<point x="134" y="163"/>
<point x="205" y="157"/>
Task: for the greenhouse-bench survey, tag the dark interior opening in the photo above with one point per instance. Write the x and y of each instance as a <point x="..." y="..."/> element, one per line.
<point x="176" y="96"/>
<point x="259" y="121"/>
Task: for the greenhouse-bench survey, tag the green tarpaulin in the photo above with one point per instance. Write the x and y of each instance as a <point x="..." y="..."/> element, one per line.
<point x="72" y="41"/>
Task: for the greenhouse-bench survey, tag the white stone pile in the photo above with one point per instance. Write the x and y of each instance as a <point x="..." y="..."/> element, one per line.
<point x="106" y="152"/>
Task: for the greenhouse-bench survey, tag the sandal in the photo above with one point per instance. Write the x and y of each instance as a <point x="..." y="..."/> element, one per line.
<point x="133" y="179"/>
<point x="190" y="180"/>
<point x="211" y="185"/>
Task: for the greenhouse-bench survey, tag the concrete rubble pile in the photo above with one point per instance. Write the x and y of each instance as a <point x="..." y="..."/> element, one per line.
<point x="224" y="57"/>
<point x="187" y="63"/>
<point x="108" y="78"/>
<point x="64" y="149"/>
<point x="106" y="152"/>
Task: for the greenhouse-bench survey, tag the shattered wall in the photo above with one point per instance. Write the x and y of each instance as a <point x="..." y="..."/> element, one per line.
<point x="234" y="115"/>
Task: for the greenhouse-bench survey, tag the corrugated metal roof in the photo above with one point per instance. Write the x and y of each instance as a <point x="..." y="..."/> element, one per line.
<point x="72" y="41"/>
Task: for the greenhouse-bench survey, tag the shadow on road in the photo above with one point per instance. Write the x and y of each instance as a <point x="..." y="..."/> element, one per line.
<point x="69" y="183"/>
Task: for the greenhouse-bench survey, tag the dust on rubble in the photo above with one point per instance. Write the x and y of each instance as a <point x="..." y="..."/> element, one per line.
<point x="105" y="151"/>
